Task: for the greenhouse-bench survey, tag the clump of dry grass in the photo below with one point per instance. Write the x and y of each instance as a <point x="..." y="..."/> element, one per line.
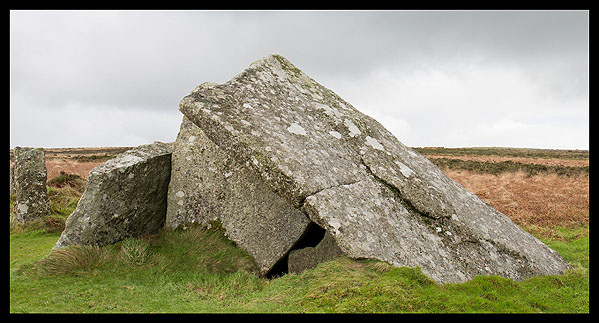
<point x="73" y="181"/>
<point x="381" y="267"/>
<point x="72" y="259"/>
<point x="135" y="251"/>
<point x="48" y="224"/>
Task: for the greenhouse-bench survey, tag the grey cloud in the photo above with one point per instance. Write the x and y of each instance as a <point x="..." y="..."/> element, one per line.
<point x="149" y="60"/>
<point x="108" y="56"/>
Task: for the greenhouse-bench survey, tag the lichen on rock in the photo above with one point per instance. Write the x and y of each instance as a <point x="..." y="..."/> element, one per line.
<point x="124" y="197"/>
<point x="376" y="197"/>
<point x="28" y="183"/>
<point x="207" y="185"/>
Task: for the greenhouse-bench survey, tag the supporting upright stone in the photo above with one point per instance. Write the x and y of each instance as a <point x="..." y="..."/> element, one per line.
<point x="29" y="182"/>
<point x="124" y="197"/>
<point x="208" y="185"/>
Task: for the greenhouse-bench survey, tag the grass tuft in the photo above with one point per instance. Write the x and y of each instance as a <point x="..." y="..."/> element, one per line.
<point x="72" y="259"/>
<point x="135" y="251"/>
<point x="68" y="180"/>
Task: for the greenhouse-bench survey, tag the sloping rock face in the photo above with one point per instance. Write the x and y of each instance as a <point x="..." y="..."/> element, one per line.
<point x="208" y="185"/>
<point x="376" y="197"/>
<point x="124" y="197"/>
<point x="28" y="183"/>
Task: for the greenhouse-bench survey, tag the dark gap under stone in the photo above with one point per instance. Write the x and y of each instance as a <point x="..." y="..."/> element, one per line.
<point x="310" y="238"/>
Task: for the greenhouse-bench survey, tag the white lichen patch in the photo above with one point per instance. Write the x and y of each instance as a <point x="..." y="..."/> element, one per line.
<point x="412" y="153"/>
<point x="23" y="208"/>
<point x="353" y="129"/>
<point x="343" y="106"/>
<point x="335" y="134"/>
<point x="245" y="123"/>
<point x="180" y="194"/>
<point x="405" y="170"/>
<point x="294" y="128"/>
<point x="230" y="128"/>
<point x="124" y="161"/>
<point x="199" y="104"/>
<point x="373" y="143"/>
<point x="330" y="111"/>
<point x="317" y="96"/>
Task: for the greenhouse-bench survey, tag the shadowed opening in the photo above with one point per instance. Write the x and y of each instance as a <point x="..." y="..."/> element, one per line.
<point x="310" y="238"/>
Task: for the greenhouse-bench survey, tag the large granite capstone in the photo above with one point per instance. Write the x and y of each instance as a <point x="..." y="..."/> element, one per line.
<point x="124" y="197"/>
<point x="374" y="196"/>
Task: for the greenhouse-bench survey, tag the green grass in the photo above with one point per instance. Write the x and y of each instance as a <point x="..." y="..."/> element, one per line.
<point x="199" y="270"/>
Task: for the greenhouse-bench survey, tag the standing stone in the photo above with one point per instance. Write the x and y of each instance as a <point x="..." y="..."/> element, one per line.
<point x="208" y="185"/>
<point x="376" y="197"/>
<point x="29" y="183"/>
<point x="12" y="181"/>
<point x="124" y="197"/>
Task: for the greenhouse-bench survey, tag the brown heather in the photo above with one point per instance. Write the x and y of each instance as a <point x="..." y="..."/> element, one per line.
<point x="546" y="200"/>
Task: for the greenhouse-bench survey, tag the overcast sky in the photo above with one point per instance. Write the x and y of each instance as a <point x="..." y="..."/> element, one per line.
<point x="433" y="78"/>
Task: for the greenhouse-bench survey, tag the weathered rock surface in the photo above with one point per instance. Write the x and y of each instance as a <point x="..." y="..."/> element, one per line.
<point x="28" y="177"/>
<point x="12" y="181"/>
<point x="208" y="185"/>
<point x="376" y="197"/>
<point x="124" y="197"/>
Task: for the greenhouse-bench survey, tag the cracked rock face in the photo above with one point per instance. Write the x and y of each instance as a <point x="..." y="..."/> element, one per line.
<point x="373" y="195"/>
<point x="208" y="185"/>
<point x="124" y="197"/>
<point x="28" y="183"/>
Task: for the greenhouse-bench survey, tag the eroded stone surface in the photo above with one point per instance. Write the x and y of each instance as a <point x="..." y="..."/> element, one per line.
<point x="28" y="183"/>
<point x="207" y="185"/>
<point x="12" y="181"/>
<point x="376" y="197"/>
<point x="124" y="197"/>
